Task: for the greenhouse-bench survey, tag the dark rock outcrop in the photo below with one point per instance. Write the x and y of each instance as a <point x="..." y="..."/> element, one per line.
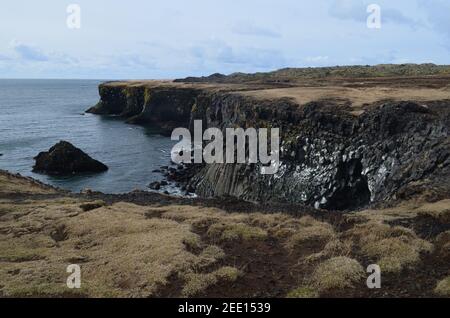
<point x="64" y="159"/>
<point x="156" y="185"/>
<point x="163" y="108"/>
<point x="329" y="158"/>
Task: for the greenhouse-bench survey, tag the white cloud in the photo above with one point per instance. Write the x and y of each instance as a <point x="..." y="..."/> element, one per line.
<point x="317" y="59"/>
<point x="28" y="52"/>
<point x="356" y="10"/>
<point x="245" y="28"/>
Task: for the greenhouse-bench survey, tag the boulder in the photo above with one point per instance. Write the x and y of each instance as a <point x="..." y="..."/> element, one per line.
<point x="64" y="158"/>
<point x="155" y="185"/>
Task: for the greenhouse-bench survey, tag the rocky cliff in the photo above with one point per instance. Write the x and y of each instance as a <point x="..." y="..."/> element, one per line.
<point x="330" y="157"/>
<point x="162" y="107"/>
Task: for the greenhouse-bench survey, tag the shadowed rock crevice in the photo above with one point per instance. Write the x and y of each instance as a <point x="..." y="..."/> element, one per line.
<point x="353" y="191"/>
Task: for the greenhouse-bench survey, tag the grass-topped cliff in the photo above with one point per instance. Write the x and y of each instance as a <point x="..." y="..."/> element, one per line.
<point x="350" y="136"/>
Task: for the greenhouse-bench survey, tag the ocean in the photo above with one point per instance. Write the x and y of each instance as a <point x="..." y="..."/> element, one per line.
<point x="36" y="114"/>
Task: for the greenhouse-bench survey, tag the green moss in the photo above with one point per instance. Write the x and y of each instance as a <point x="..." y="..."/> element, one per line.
<point x="147" y="95"/>
<point x="194" y="108"/>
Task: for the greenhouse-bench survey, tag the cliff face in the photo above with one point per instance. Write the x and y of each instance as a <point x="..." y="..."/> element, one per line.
<point x="162" y="107"/>
<point x="329" y="158"/>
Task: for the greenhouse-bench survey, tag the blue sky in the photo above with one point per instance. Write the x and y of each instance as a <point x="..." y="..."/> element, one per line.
<point x="175" y="38"/>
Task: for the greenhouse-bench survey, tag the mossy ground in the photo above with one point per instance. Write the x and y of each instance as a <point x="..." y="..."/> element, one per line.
<point x="173" y="250"/>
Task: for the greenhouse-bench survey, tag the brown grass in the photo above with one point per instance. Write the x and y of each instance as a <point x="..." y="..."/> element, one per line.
<point x="122" y="253"/>
<point x="404" y="210"/>
<point x="443" y="287"/>
<point x="336" y="274"/>
<point x="88" y="206"/>
<point x="127" y="250"/>
<point x="197" y="283"/>
<point x="356" y="96"/>
<point x="233" y="232"/>
<point x="393" y="248"/>
<point x="303" y="292"/>
<point x="438" y="210"/>
<point x="443" y="240"/>
<point x="310" y="230"/>
<point x="333" y="248"/>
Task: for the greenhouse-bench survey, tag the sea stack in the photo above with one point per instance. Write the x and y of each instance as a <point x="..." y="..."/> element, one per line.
<point x="64" y="159"/>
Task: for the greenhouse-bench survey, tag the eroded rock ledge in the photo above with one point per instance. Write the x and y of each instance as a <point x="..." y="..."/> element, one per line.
<point x="331" y="157"/>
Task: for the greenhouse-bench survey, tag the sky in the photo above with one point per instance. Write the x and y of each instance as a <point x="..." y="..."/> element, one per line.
<point x="143" y="39"/>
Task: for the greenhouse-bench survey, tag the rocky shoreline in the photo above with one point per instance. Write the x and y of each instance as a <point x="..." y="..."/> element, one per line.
<point x="364" y="181"/>
<point x="332" y="156"/>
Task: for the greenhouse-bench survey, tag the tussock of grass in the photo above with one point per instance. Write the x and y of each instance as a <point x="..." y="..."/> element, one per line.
<point x="309" y="231"/>
<point x="443" y="287"/>
<point x="237" y="231"/>
<point x="192" y="214"/>
<point x="438" y="210"/>
<point x="333" y="248"/>
<point x="228" y="274"/>
<point x="303" y="292"/>
<point x="286" y="227"/>
<point x="394" y="248"/>
<point x="88" y="206"/>
<point x="338" y="248"/>
<point x="337" y="273"/>
<point x="268" y="221"/>
<point x="396" y="253"/>
<point x="196" y="283"/>
<point x="210" y="255"/>
<point x="192" y="242"/>
<point x="443" y="240"/>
